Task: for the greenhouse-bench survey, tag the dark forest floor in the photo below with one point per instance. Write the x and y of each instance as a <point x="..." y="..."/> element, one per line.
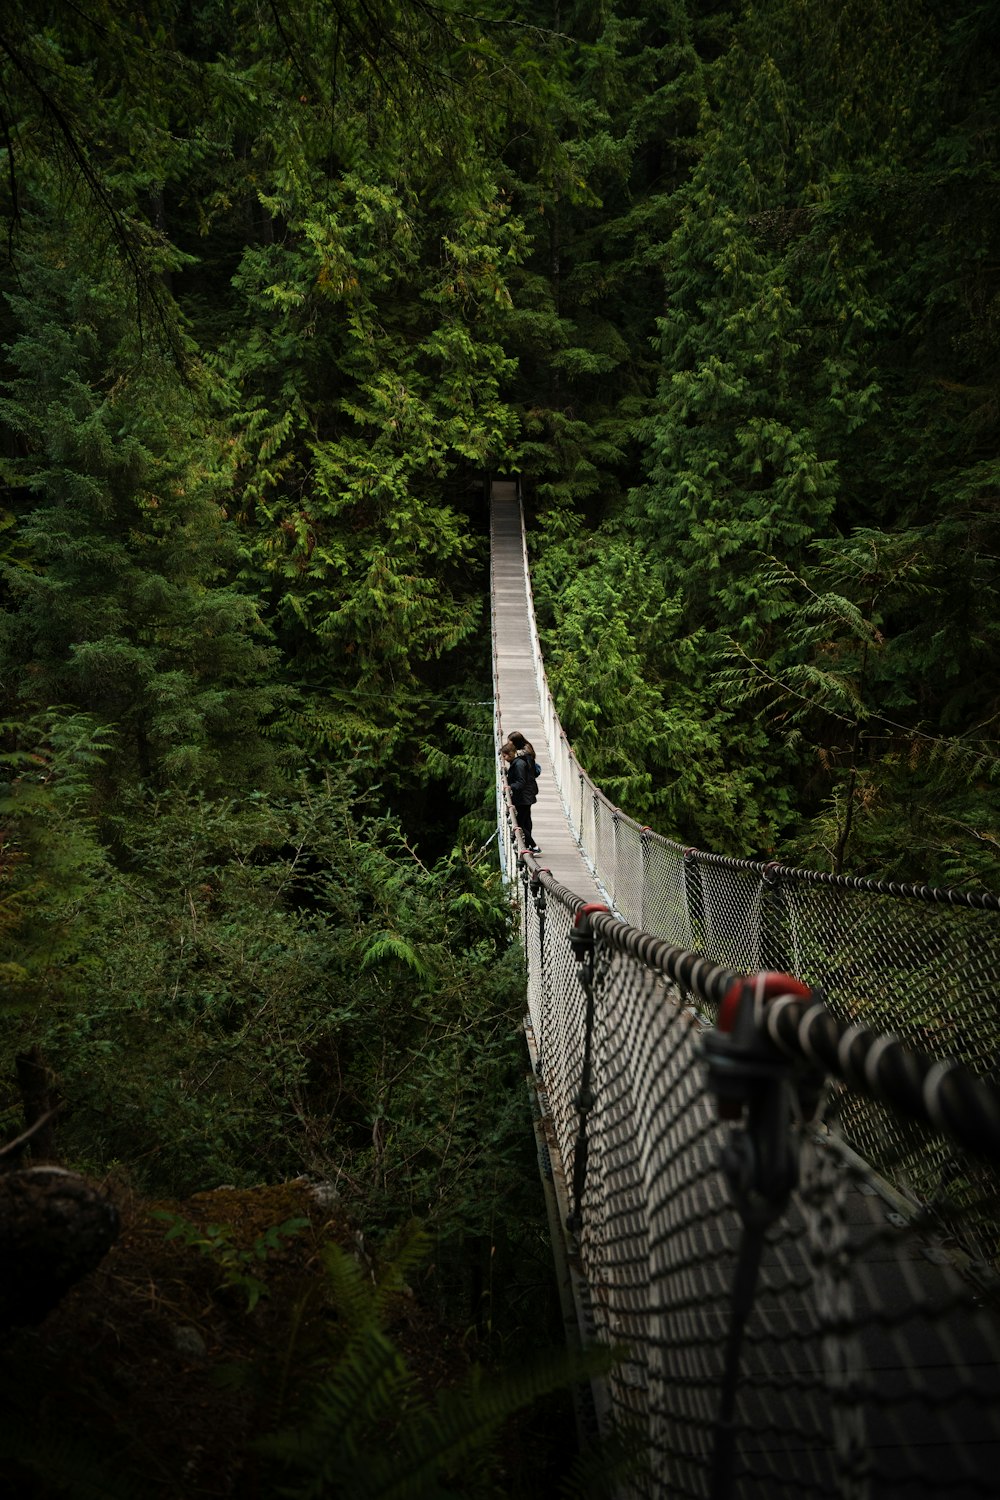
<point x="153" y="1376"/>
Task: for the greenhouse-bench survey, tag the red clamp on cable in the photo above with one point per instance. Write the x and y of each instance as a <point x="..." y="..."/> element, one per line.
<point x="768" y="985"/>
<point x="581" y="939"/>
<point x="588" y="907"/>
<point x="754" y="1081"/>
<point x="738" y="1055"/>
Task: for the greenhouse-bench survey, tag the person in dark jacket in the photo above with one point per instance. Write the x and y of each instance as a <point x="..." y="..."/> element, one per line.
<point x="520" y="766"/>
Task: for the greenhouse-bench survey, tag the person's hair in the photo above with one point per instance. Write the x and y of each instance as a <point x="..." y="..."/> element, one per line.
<point x="507" y="751"/>
<point x="516" y="738"/>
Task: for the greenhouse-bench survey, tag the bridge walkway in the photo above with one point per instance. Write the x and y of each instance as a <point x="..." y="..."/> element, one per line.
<point x="517" y="692"/>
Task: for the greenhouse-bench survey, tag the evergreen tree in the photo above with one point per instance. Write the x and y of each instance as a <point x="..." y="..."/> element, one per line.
<point x="826" y="349"/>
<point x="623" y="86"/>
<point x="119" y="600"/>
<point x="364" y="380"/>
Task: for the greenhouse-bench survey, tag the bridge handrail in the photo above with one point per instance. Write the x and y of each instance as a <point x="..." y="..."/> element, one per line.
<point x="911" y="960"/>
<point x="705" y="1191"/>
<point x="941" y="1094"/>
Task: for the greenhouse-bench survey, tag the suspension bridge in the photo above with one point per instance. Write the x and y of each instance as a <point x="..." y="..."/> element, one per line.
<point x="769" y="1132"/>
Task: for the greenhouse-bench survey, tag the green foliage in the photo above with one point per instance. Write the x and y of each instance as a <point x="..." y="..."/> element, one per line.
<point x="866" y="677"/>
<point x="623" y="90"/>
<point x="629" y="673"/>
<point x="53" y="871"/>
<point x="294" y="991"/>
<point x="366" y="1428"/>
<point x="239" y="1269"/>
<point x="117" y="597"/>
<point x="335" y="295"/>
<point x="362" y="371"/>
<point x="827" y="346"/>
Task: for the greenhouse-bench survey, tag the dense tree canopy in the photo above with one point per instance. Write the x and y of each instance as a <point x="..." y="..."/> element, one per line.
<point x="807" y="563"/>
<point x="283" y="283"/>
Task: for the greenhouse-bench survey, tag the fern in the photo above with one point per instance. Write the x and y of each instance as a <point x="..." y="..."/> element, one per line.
<point x="368" y="1432"/>
<point x="388" y="946"/>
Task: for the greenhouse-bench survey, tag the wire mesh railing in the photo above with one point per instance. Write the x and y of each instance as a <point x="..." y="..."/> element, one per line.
<point x="915" y="961"/>
<point x="787" y="1323"/>
<point x="781" y="1194"/>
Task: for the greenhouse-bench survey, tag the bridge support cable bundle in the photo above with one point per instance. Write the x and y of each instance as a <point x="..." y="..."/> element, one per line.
<point x="778" y="1195"/>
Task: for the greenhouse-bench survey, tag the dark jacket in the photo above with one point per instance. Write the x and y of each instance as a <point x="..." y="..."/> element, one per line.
<point x="521" y="780"/>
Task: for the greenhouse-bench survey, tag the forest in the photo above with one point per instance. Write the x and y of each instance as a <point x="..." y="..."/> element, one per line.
<point x="283" y="283"/>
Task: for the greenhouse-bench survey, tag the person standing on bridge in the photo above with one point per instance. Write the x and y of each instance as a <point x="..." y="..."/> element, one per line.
<point x="522" y="778"/>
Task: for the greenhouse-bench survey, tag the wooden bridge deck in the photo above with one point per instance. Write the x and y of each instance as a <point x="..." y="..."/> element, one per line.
<point x="517" y="693"/>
